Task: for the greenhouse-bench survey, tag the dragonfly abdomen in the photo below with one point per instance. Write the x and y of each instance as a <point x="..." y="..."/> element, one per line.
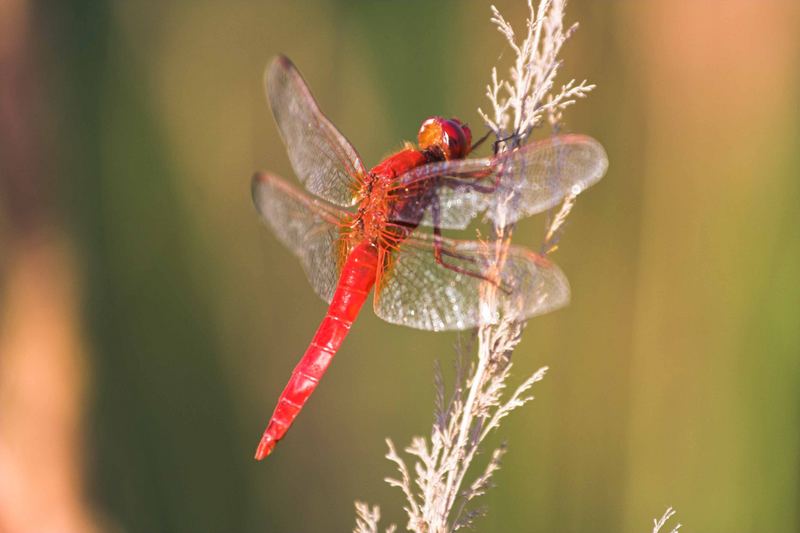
<point x="355" y="283"/>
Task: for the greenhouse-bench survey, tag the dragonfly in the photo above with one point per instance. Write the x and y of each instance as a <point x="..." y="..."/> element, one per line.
<point x="356" y="229"/>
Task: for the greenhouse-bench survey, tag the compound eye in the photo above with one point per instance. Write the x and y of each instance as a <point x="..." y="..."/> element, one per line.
<point x="466" y="132"/>
<point x="449" y="136"/>
<point x="456" y="138"/>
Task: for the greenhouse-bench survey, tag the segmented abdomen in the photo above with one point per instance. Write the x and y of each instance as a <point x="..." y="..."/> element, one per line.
<point x="355" y="283"/>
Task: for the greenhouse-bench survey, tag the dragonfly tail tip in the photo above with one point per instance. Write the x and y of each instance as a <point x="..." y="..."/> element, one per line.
<point x="265" y="447"/>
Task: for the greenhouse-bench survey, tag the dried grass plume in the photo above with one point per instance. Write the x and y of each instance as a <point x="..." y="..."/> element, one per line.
<point x="439" y="493"/>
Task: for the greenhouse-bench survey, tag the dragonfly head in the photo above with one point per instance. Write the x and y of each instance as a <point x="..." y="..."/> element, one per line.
<point x="450" y="136"/>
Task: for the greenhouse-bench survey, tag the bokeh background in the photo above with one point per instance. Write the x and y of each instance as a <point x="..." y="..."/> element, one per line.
<point x="148" y="320"/>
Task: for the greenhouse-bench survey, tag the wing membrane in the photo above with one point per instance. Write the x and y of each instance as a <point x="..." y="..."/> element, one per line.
<point x="416" y="291"/>
<point x="322" y="158"/>
<point x="522" y="182"/>
<point x="457" y="207"/>
<point x="310" y="228"/>
<point x="539" y="176"/>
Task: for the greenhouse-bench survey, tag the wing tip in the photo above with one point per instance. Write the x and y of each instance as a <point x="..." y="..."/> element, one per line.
<point x="599" y="152"/>
<point x="601" y="156"/>
<point x="282" y="61"/>
<point x="548" y="268"/>
<point x="260" y="178"/>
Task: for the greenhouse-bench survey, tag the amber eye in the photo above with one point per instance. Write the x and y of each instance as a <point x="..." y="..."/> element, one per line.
<point x="430" y="133"/>
<point x="450" y="136"/>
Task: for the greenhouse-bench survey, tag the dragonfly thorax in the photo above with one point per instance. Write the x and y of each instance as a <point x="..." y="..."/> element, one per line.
<point x="373" y="208"/>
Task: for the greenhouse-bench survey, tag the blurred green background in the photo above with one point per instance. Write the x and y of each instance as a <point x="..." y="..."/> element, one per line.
<point x="675" y="372"/>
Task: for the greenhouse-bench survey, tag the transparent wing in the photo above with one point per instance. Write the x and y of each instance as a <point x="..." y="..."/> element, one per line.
<point x="457" y="206"/>
<point x="532" y="179"/>
<point x="322" y="158"/>
<point x="309" y="227"/>
<point x="539" y="176"/>
<point x="416" y="291"/>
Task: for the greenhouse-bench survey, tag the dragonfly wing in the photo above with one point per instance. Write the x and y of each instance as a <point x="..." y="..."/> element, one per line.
<point x="520" y="183"/>
<point x="454" y="186"/>
<point x="309" y="227"/>
<point x="324" y="161"/>
<point x="541" y="174"/>
<point x="457" y="207"/>
<point x="415" y="290"/>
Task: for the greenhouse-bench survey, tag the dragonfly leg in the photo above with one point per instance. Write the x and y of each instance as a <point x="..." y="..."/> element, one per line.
<point x="440" y="251"/>
<point x="481" y="141"/>
<point x="515" y="137"/>
<point x="472" y="183"/>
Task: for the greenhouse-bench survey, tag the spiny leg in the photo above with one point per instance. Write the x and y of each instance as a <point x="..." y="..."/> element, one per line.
<point x="439" y="251"/>
<point x="471" y="182"/>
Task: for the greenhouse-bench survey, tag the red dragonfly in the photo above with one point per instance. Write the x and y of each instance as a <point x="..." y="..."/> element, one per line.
<point x="421" y="279"/>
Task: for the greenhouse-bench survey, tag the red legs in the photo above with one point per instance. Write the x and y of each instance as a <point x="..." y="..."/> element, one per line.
<point x="439" y="252"/>
<point x="382" y="257"/>
<point x="471" y="182"/>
